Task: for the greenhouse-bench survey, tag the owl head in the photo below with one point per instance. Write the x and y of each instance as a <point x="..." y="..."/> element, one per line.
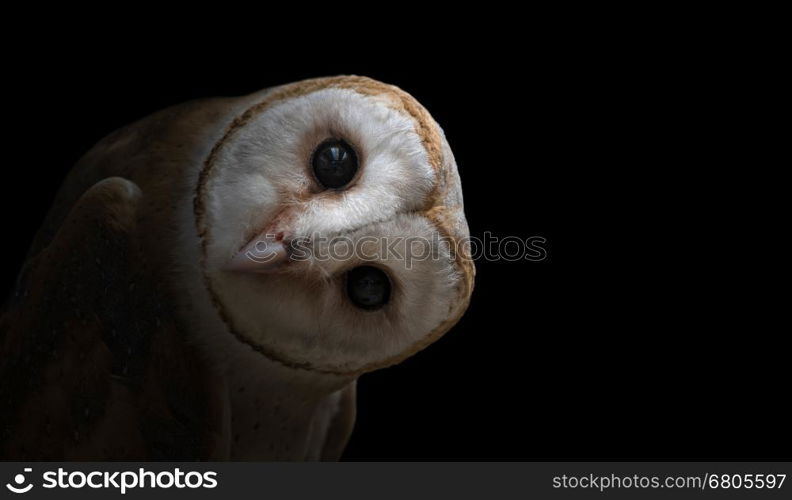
<point x="331" y="226"/>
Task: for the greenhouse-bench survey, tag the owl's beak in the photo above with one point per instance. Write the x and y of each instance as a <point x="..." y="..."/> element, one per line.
<point x="263" y="254"/>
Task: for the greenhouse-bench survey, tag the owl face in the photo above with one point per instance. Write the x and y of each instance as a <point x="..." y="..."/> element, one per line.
<point x="331" y="223"/>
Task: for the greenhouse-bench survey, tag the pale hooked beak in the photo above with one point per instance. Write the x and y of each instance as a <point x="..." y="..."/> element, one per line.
<point x="263" y="254"/>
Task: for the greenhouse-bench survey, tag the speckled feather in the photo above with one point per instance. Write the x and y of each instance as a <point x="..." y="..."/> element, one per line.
<point x="91" y="362"/>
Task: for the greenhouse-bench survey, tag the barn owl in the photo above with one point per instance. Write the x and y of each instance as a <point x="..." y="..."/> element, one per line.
<point x="161" y="315"/>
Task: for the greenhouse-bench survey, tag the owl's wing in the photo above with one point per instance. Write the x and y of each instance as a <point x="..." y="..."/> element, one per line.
<point x="92" y="364"/>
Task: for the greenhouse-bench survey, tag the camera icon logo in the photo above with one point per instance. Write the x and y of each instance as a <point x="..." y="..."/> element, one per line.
<point x="19" y="479"/>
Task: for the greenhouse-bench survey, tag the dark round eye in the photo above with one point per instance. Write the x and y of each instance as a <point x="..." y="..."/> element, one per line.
<point x="334" y="164"/>
<point x="368" y="287"/>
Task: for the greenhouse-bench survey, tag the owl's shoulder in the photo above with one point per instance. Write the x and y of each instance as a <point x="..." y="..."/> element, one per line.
<point x="93" y="364"/>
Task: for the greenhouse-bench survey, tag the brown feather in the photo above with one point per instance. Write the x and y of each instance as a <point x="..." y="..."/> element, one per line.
<point x="92" y="365"/>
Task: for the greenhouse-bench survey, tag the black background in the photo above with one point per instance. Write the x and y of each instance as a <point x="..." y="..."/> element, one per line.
<point x="632" y="340"/>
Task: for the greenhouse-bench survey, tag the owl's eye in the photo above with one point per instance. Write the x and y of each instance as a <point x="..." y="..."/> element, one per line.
<point x="368" y="287"/>
<point x="334" y="163"/>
